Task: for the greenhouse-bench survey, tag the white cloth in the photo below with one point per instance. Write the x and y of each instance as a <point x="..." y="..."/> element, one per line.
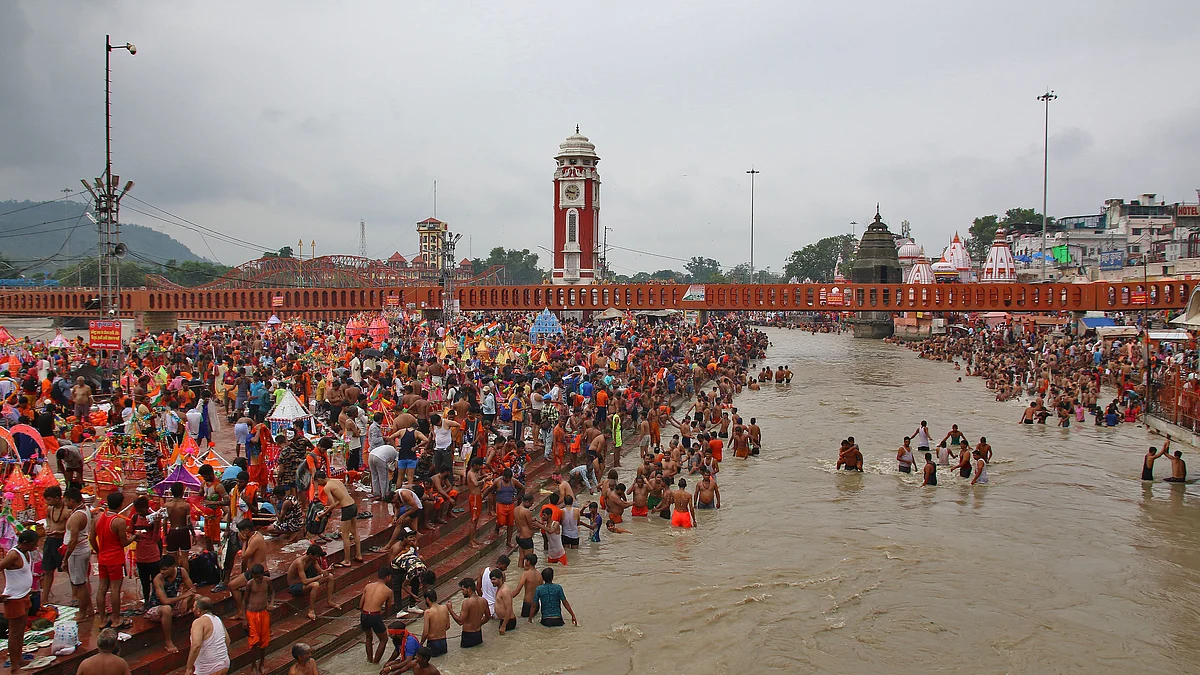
<point x="387" y="453"/>
<point x="18" y="583"/>
<point x="487" y="590"/>
<point x="214" y="653"/>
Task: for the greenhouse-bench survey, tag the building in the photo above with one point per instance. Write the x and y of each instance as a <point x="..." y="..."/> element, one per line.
<point x="431" y="236"/>
<point x="957" y="255"/>
<point x="999" y="268"/>
<point x="576" y="212"/>
<point x="876" y="263"/>
<point x="921" y="272"/>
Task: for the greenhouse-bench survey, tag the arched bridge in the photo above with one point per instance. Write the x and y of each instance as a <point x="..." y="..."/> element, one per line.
<point x="258" y="304"/>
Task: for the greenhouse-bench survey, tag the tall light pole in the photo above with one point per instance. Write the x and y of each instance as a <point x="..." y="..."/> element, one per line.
<point x="449" y="241"/>
<point x="604" y="264"/>
<point x="752" y="173"/>
<point x="107" y="202"/>
<point x="1045" y="98"/>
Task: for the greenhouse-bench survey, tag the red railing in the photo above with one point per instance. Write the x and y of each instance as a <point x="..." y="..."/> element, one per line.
<point x="1177" y="404"/>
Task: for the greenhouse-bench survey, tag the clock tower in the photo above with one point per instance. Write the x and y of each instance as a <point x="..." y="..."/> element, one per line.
<point x="576" y="212"/>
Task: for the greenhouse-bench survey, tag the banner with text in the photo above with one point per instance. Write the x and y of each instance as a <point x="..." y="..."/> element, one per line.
<point x="104" y="334"/>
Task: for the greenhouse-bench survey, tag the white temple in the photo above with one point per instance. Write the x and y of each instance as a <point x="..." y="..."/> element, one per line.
<point x="921" y="271"/>
<point x="907" y="253"/>
<point x="958" y="256"/>
<point x="999" y="268"/>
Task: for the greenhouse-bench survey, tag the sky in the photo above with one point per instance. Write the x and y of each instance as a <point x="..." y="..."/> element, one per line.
<point x="276" y="121"/>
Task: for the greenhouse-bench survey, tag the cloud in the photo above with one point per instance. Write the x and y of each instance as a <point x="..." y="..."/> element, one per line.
<point x="274" y="121"/>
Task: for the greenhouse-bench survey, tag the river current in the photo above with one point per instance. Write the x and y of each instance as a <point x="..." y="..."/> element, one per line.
<point x="1065" y="563"/>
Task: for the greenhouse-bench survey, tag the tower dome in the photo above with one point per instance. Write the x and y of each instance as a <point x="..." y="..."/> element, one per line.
<point x="944" y="272"/>
<point x="922" y="271"/>
<point x="957" y="254"/>
<point x="577" y="145"/>
<point x="907" y="252"/>
<point x="999" y="268"/>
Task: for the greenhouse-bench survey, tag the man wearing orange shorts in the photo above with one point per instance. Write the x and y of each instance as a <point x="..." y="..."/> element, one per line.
<point x="684" y="514"/>
<point x="615" y="504"/>
<point x="641" y="498"/>
<point x="475" y="490"/>
<point x="559" y="436"/>
<point x="506" y="488"/>
<point x="260" y="598"/>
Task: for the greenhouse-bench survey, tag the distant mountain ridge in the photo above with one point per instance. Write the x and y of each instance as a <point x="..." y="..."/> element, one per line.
<point x="61" y="232"/>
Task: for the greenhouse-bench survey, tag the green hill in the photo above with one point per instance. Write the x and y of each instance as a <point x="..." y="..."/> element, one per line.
<point x="47" y="237"/>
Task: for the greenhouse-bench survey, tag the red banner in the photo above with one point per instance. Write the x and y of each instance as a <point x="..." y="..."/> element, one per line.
<point x="391" y="301"/>
<point x="104" y="334"/>
<point x="277" y="301"/>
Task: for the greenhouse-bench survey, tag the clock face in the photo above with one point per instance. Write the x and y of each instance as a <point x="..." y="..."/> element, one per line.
<point x="571" y="193"/>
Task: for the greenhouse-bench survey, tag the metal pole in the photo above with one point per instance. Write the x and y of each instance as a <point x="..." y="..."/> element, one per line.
<point x="752" y="173"/>
<point x="1046" y="97"/>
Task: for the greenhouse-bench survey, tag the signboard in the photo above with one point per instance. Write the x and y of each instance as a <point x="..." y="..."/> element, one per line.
<point x="104" y="334"/>
<point x="1112" y="260"/>
<point x="695" y="293"/>
<point x="391" y="301"/>
<point x="691" y="317"/>
<point x="277" y="301"/>
<point x="1183" y="210"/>
<point x="1137" y="298"/>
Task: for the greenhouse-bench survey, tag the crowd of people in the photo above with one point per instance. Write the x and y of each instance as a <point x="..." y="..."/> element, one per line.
<point x="1064" y="370"/>
<point x="417" y="419"/>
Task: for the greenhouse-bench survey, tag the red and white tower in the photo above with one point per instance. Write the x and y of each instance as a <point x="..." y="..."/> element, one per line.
<point x="576" y="212"/>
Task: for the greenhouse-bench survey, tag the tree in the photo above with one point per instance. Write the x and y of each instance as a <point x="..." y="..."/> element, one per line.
<point x="520" y="267"/>
<point x="765" y="277"/>
<point x="983" y="229"/>
<point x="285" y="252"/>
<point x="740" y="274"/>
<point x="703" y="269"/>
<point x="666" y="275"/>
<point x="817" y="261"/>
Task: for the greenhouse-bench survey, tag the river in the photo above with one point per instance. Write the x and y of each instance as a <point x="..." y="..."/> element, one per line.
<point x="1065" y="563"/>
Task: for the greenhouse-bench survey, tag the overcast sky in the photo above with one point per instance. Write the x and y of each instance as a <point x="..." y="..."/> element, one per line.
<point x="273" y="121"/>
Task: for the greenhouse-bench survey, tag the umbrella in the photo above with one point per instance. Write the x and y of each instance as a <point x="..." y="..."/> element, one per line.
<point x="178" y="475"/>
<point x="28" y="441"/>
<point x="370" y="353"/>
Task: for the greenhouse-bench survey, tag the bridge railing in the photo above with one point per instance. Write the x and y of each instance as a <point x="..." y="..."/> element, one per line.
<point x="255" y="304"/>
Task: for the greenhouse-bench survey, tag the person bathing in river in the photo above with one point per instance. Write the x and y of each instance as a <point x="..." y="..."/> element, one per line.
<point x="849" y="457"/>
<point x="930" y="471"/>
<point x="1152" y="454"/>
<point x="1178" y="468"/>
<point x="964" y="459"/>
<point x="904" y="456"/>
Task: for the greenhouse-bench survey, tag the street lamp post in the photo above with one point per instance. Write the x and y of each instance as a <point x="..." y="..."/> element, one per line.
<point x="107" y="202"/>
<point x="1046" y="98"/>
<point x="752" y="173"/>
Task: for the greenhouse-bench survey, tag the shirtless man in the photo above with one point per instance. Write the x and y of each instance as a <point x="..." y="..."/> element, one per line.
<point x="849" y="457"/>
<point x="523" y="517"/>
<point x="56" y="531"/>
<point x="304" y="578"/>
<point x="105" y="661"/>
<point x="260" y="600"/>
<point x="475" y="494"/>
<point x="615" y="504"/>
<point x="964" y="459"/>
<point x="707" y="495"/>
<point x="530" y="580"/>
<point x="1151" y="455"/>
<point x="641" y="498"/>
<point x="340" y="498"/>
<point x="1178" y="468"/>
<point x="254" y="552"/>
<point x="504" y="602"/>
<point x="474" y="614"/>
<point x="436" y="621"/>
<point x="984" y="449"/>
<point x="81" y="397"/>
<point x="376" y="598"/>
<point x="755" y="436"/>
<point x="684" y="514"/>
